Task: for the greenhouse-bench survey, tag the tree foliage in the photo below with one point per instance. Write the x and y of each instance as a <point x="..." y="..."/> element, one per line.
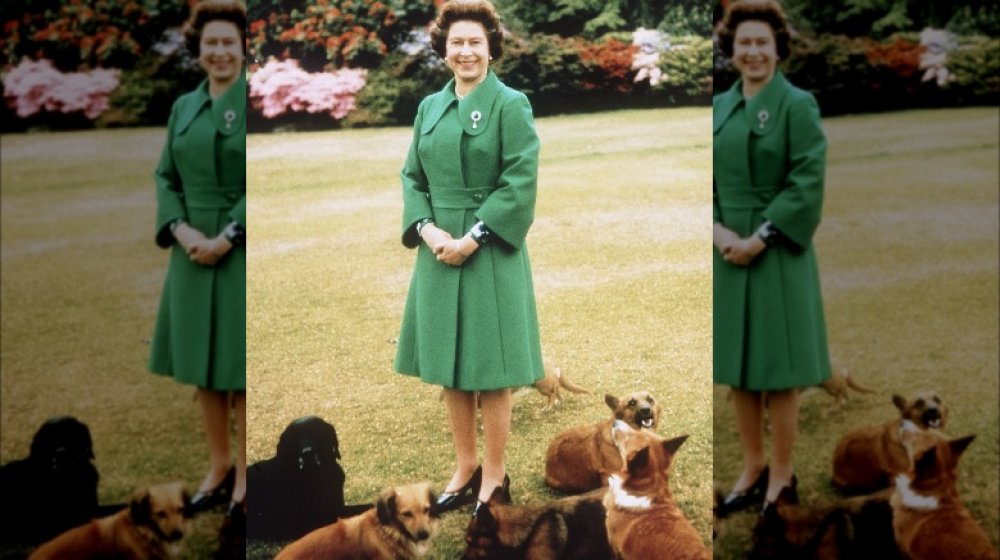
<point x="882" y="18"/>
<point x="593" y="18"/>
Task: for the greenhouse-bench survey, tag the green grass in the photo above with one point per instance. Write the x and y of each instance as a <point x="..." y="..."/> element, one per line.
<point x="80" y="284"/>
<point x="621" y="260"/>
<point x="909" y="263"/>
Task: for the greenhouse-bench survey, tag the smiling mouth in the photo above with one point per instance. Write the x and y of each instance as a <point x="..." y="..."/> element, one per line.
<point x="647" y="422"/>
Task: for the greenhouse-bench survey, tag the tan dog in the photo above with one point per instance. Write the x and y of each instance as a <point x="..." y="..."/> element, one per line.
<point x="549" y="386"/>
<point x="839" y="382"/>
<point x="928" y="518"/>
<point x="151" y="527"/>
<point x="866" y="458"/>
<point x="643" y="520"/>
<point x="401" y="527"/>
<point x="580" y="459"/>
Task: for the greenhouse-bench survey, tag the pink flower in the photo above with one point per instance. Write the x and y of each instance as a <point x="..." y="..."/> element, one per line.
<point x="280" y="86"/>
<point x="34" y="85"/>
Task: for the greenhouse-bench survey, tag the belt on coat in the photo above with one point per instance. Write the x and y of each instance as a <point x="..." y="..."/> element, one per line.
<point x="467" y="199"/>
<point x="212" y="197"/>
<point x="745" y="197"/>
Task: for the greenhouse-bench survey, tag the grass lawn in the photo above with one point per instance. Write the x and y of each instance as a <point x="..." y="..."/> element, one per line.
<point x="908" y="255"/>
<point x="621" y="258"/>
<point x="80" y="284"/>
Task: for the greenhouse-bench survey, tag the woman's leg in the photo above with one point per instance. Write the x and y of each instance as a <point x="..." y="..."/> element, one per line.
<point x="461" y="407"/>
<point x="749" y="407"/>
<point x="497" y="407"/>
<point x="783" y="407"/>
<point x="240" y="406"/>
<point x="215" y="416"/>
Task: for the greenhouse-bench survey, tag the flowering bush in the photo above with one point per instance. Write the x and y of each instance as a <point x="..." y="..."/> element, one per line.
<point x="74" y="34"/>
<point x="608" y="65"/>
<point x="327" y="34"/>
<point x="281" y="86"/>
<point x="33" y="86"/>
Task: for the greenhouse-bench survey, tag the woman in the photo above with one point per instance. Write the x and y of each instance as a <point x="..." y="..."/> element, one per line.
<point x="200" y="334"/>
<point x="468" y="200"/>
<point x="769" y="332"/>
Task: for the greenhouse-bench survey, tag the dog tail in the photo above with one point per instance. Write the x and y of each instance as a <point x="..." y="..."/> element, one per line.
<point x="855" y="385"/>
<point x="569" y="385"/>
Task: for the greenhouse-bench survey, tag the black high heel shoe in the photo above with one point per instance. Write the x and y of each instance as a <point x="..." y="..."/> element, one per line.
<point x="788" y="495"/>
<point x="740" y="500"/>
<point x="465" y="495"/>
<point x="505" y="488"/>
<point x="204" y="501"/>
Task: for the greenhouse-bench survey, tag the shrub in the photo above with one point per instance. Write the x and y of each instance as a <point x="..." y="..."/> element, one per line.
<point x="76" y="35"/>
<point x="282" y="86"/>
<point x="34" y="86"/>
<point x="850" y="75"/>
<point x="324" y="35"/>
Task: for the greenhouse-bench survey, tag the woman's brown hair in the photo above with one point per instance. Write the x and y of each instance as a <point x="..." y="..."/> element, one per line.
<point x="767" y="11"/>
<point x="479" y="11"/>
<point x="205" y="11"/>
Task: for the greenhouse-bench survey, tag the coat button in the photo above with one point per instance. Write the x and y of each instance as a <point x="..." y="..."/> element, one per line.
<point x="478" y="197"/>
<point x="231" y="196"/>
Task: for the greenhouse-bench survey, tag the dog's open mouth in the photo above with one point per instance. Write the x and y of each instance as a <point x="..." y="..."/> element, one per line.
<point x="646" y="422"/>
<point x="932" y="418"/>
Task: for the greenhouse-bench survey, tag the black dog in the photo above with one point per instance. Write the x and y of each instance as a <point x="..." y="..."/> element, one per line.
<point x="54" y="489"/>
<point x="300" y="489"/>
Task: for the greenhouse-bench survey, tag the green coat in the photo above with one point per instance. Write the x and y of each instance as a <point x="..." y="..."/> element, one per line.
<point x="472" y="327"/>
<point x="769" y="159"/>
<point x="200" y="332"/>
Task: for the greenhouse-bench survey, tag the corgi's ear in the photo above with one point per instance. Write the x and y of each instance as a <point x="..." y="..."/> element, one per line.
<point x="611" y="401"/>
<point x="672" y="445"/>
<point x="958" y="445"/>
<point x="385" y="508"/>
<point x="899" y="401"/>
<point x="638" y="461"/>
<point x="926" y="461"/>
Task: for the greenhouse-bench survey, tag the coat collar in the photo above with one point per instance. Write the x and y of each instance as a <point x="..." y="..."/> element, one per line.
<point x="474" y="110"/>
<point x="228" y="110"/>
<point x="761" y="109"/>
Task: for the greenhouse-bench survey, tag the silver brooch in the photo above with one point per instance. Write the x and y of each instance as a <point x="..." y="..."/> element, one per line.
<point x="476" y="116"/>
<point x="230" y="116"/>
<point x="762" y="117"/>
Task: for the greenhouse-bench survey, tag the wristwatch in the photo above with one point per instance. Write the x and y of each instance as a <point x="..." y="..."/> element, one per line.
<point x="480" y="233"/>
<point x="422" y="223"/>
<point x="767" y="233"/>
<point x="235" y="234"/>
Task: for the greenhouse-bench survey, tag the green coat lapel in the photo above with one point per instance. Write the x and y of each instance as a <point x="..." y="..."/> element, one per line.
<point x="763" y="109"/>
<point x="228" y="110"/>
<point x="475" y="109"/>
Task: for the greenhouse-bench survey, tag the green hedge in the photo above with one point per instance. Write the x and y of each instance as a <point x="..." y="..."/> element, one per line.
<point x="857" y="75"/>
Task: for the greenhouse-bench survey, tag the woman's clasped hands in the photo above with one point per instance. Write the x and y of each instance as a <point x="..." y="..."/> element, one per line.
<point x="733" y="248"/>
<point x="450" y="251"/>
<point x="199" y="248"/>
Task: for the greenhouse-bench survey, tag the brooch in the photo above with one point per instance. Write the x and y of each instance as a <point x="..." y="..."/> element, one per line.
<point x="762" y="117"/>
<point x="230" y="116"/>
<point x="476" y="116"/>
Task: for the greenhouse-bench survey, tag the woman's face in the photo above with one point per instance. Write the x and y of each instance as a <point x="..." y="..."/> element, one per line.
<point x="755" y="52"/>
<point x="467" y="51"/>
<point x="221" y="51"/>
